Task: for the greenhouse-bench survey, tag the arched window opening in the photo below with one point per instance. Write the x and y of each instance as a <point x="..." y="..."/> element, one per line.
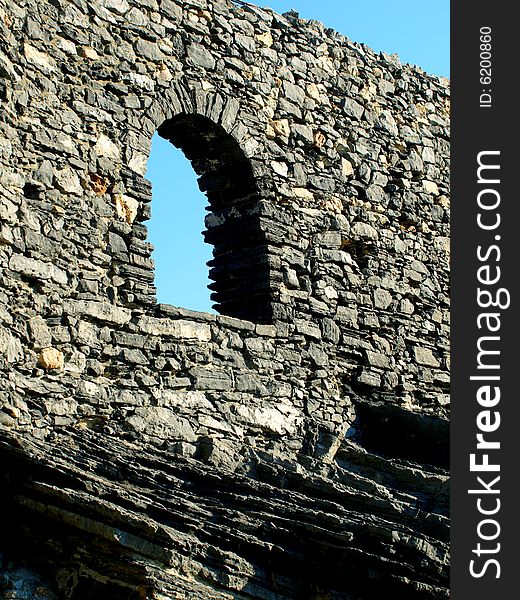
<point x="178" y="211"/>
<point x="239" y="267"/>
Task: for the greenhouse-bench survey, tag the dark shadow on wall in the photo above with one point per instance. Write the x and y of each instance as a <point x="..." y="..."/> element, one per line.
<point x="48" y="551"/>
<point x="239" y="269"/>
<point x="396" y="432"/>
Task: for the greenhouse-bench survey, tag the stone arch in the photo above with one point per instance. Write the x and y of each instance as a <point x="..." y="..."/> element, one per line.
<point x="239" y="269"/>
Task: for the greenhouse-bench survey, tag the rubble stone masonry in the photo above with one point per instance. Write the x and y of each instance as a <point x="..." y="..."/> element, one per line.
<point x="294" y="446"/>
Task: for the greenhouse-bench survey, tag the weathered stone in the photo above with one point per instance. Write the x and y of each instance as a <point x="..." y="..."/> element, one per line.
<point x="281" y="419"/>
<point x="424" y="356"/>
<point x="87" y="333"/>
<point x="7" y="210"/>
<point x="212" y="379"/>
<point x="281" y="127"/>
<point x="88" y="52"/>
<point x="303" y="193"/>
<point x="117" y="244"/>
<point x="51" y="359"/>
<point x="39" y="59"/>
<point x="219" y="453"/>
<point x="149" y="50"/>
<point x="333" y="203"/>
<point x="428" y="154"/>
<point x="406" y="306"/>
<point x="67" y="181"/>
<point x="415" y="163"/>
<point x="303" y="132"/>
<point x="118" y="6"/>
<point x="99" y="310"/>
<point x="126" y="207"/>
<point x="185" y="401"/>
<point x="319" y="139"/>
<point x="104" y="146"/>
<point x="376" y="194"/>
<point x="200" y="57"/>
<point x="280" y="168"/>
<point x="162" y="423"/>
<point x="443" y="201"/>
<point x="265" y="39"/>
<point x="352" y="108"/>
<point x="39" y="332"/>
<point x="319" y="357"/>
<point x="430" y="186"/>
<point x="348" y="315"/>
<point x="382" y="298"/>
<point x="32" y="267"/>
<point x="245" y="42"/>
<point x="98" y="184"/>
<point x="134" y="356"/>
<point x="293" y="92"/>
<point x="329" y="239"/>
<point x="266" y="330"/>
<point x="179" y="329"/>
<point x="67" y="46"/>
<point x="376" y="359"/>
<point x="10" y="346"/>
<point x="307" y="328"/>
<point x="259" y="346"/>
<point x="313" y="92"/>
<point x="61" y="407"/>
<point x="6" y="67"/>
<point x="387" y="122"/>
<point x="331" y="332"/>
<point x="250" y="382"/>
<point x="370" y="378"/>
<point x="364" y="230"/>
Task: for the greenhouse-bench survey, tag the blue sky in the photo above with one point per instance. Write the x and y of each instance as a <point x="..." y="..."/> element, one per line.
<point x="417" y="30"/>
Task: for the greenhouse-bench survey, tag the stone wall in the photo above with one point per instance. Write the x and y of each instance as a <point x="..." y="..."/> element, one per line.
<point x="325" y="376"/>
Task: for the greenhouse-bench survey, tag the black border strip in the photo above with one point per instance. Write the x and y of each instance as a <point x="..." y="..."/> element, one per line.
<point x="485" y="123"/>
